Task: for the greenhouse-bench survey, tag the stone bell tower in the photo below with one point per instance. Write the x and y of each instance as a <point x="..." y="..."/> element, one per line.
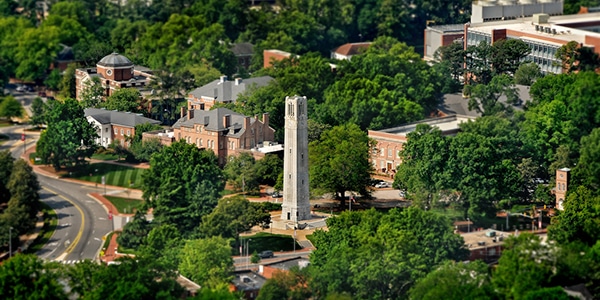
<point x="296" y="204"/>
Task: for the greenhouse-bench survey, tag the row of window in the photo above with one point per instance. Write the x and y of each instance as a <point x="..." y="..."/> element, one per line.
<point x="117" y="131"/>
<point x="390" y="152"/>
<point x="561" y="186"/>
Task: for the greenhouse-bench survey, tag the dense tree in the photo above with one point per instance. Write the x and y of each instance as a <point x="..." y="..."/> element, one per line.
<point x="67" y="85"/>
<point x="143" y="150"/>
<point x="207" y="261"/>
<point x="52" y="82"/>
<point x="129" y="278"/>
<point x="26" y="277"/>
<point x="268" y="169"/>
<point x="126" y="99"/>
<point x="455" y="280"/>
<point x="135" y="232"/>
<point x="485" y="98"/>
<point x="92" y="93"/>
<point x="240" y="173"/>
<point x="233" y="216"/>
<point x="69" y="138"/>
<point x="387" y="85"/>
<point x="10" y="107"/>
<point x="507" y="55"/>
<point x="291" y="284"/>
<point x="587" y="171"/>
<point x="182" y="185"/>
<point x="163" y="245"/>
<point x="408" y="244"/>
<point x="6" y="167"/>
<point x="527" y="73"/>
<point x="577" y="222"/>
<point x="35" y="51"/>
<point x="576" y="58"/>
<point x="526" y="265"/>
<point x="23" y="187"/>
<point x="340" y="161"/>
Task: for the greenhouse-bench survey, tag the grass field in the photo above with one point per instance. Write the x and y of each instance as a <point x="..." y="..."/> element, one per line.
<point x="50" y="222"/>
<point x="116" y="175"/>
<point x="105" y="156"/>
<point x="125" y="205"/>
<point x="265" y="241"/>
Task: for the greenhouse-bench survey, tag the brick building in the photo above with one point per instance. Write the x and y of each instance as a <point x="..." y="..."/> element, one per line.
<point x="223" y="131"/>
<point x="114" y="125"/>
<point x="386" y="156"/>
<point x="223" y="91"/>
<point x="115" y="72"/>
<point x="346" y="51"/>
<point x="562" y="185"/>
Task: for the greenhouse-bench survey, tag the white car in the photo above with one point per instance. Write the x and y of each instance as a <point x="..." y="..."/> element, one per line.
<point x="382" y="184"/>
<point x="20" y="88"/>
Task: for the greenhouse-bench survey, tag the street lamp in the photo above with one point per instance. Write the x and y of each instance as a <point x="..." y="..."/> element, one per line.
<point x="248" y="253"/>
<point x="468" y="225"/>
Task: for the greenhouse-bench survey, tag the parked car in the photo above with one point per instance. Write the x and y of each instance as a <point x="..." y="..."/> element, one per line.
<point x="20" y="88"/>
<point x="276" y="194"/>
<point x="266" y="254"/>
<point x="374" y="182"/>
<point x="383" y="184"/>
<point x="402" y="193"/>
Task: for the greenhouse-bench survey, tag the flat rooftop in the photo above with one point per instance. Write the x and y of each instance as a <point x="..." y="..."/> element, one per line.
<point x="445" y="124"/>
<point x="485" y="238"/>
<point x="566" y="27"/>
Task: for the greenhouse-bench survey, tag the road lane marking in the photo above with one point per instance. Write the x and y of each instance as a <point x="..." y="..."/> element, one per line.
<point x="78" y="237"/>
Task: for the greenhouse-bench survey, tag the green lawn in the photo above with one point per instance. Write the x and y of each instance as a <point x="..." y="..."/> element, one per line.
<point x="125" y="205"/>
<point x="105" y="156"/>
<point x="50" y="223"/>
<point x="265" y="241"/>
<point x="116" y="175"/>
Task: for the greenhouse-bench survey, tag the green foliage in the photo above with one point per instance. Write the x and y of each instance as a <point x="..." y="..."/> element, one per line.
<point x="587" y="171"/>
<point x="379" y="256"/>
<point x="233" y="216"/>
<point x="6" y="167"/>
<point x="578" y="221"/>
<point x="340" y="161"/>
<point x="124" y="99"/>
<point x="135" y="232"/>
<point x="526" y="265"/>
<point x="52" y="82"/>
<point x="268" y="169"/>
<point x="10" y="107"/>
<point x="455" y="280"/>
<point x="128" y="279"/>
<point x="69" y="138"/>
<point x="67" y="85"/>
<point x="26" y="277"/>
<point x="182" y="185"/>
<point x="485" y="61"/>
<point x="387" y="85"/>
<point x="92" y="93"/>
<point x="575" y="58"/>
<point x="240" y="173"/>
<point x="38" y="109"/>
<point x="291" y="285"/>
<point x="221" y="293"/>
<point x="527" y="74"/>
<point x="207" y="261"/>
<point x="163" y="244"/>
<point x="485" y="98"/>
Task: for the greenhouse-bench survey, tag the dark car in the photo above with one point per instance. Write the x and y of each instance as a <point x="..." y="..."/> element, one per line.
<point x="276" y="194"/>
<point x="266" y="254"/>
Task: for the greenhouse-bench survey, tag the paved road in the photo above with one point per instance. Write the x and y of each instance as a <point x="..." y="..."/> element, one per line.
<point x="82" y="221"/>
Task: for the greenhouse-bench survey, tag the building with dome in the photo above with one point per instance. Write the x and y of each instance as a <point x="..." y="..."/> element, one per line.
<point x="115" y="72"/>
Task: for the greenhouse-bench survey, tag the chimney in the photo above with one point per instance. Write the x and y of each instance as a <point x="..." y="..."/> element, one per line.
<point x="223" y="79"/>
<point x="238" y="81"/>
<point x="190" y="114"/>
<point x="265" y="119"/>
<point x="182" y="112"/>
<point x="246" y="122"/>
<point x="226" y="121"/>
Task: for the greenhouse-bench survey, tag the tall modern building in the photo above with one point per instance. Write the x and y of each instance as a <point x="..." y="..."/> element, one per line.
<point x="296" y="204"/>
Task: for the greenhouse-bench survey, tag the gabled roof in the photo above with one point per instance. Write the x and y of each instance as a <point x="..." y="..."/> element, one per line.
<point x="242" y="49"/>
<point x="213" y="121"/>
<point x="114" y="117"/>
<point x="224" y="90"/>
<point x="352" y="48"/>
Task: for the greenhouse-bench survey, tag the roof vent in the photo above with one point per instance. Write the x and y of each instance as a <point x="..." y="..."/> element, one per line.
<point x="541" y="18"/>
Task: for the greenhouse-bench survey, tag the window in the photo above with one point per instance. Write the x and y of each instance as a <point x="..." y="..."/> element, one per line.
<point x="128" y="132"/>
<point x="382" y="152"/>
<point x="116" y="131"/>
<point x="121" y="131"/>
<point x="389" y="152"/>
<point x="106" y="129"/>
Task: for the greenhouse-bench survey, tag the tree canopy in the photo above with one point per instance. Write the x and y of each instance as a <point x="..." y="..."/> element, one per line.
<point x="182" y="185"/>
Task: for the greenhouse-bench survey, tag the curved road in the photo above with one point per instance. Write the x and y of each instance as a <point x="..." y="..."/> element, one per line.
<point x="82" y="222"/>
